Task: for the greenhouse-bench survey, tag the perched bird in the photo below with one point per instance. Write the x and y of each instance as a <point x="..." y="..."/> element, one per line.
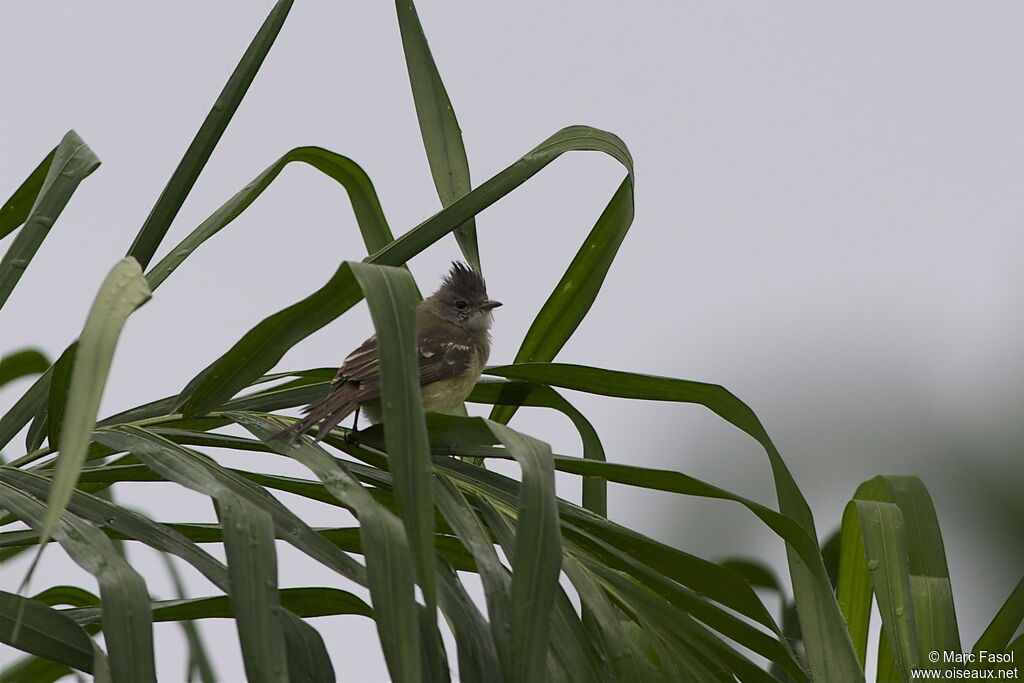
<point x="453" y="341"/>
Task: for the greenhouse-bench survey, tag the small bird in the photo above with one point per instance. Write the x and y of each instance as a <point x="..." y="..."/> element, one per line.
<point x="453" y="341"/>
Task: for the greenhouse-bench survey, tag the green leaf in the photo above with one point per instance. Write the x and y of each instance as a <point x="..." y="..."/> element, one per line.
<point x="506" y="393"/>
<point x="303" y="602"/>
<point x="477" y="655"/>
<point x="649" y="564"/>
<point x="37" y="432"/>
<point x="853" y="589"/>
<point x="44" y="632"/>
<point x="252" y="569"/>
<point x="572" y="138"/>
<point x="126" y="615"/>
<point x="21" y="364"/>
<point x="756" y="574"/>
<point x="35" y="670"/>
<point x="72" y="162"/>
<point x="199" y="663"/>
<point x="1006" y="622"/>
<point x="391" y="295"/>
<point x="631" y="552"/>
<point x="575" y="657"/>
<point x="576" y="292"/>
<point x="389" y="569"/>
<point x="307" y="658"/>
<point x="674" y="659"/>
<point x="828" y="645"/>
<point x="685" y="581"/>
<point x="130" y="524"/>
<point x="682" y="644"/>
<point x="122" y="292"/>
<point x="198" y="153"/>
<point x="67" y="595"/>
<point x="442" y="137"/>
<point x="189" y="468"/>
<point x="23" y="410"/>
<point x="263" y="346"/>
<point x="920" y="576"/>
<point x="60" y="384"/>
<point x="627" y="661"/>
<point x="18" y="207"/>
<point x="881" y="526"/>
<point x="931" y="591"/>
<point x="536" y="557"/>
<point x="1017" y="648"/>
<point x="887" y="670"/>
<point x="307" y="655"/>
<point x="495" y="578"/>
<point x="726" y="587"/>
<point x="365" y="204"/>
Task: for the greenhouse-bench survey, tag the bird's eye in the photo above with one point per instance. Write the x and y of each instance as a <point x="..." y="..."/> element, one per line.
<point x="461" y="305"/>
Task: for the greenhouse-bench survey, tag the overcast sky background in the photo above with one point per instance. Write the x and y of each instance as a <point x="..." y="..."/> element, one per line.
<point x="828" y="223"/>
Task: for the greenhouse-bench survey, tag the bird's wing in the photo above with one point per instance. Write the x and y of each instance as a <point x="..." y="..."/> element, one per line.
<point x="442" y="359"/>
<point x="438" y="360"/>
<point x="362" y="369"/>
<point x="358" y="379"/>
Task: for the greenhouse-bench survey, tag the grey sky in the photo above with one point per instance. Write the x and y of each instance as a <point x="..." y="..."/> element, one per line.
<point x="828" y="223"/>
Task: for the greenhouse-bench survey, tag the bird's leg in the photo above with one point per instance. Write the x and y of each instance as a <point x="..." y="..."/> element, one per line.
<point x="351" y="436"/>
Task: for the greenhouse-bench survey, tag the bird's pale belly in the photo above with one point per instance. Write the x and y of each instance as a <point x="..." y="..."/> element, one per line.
<point x="443" y="396"/>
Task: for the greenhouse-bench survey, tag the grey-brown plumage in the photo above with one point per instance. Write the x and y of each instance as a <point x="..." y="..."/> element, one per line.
<point x="452" y="345"/>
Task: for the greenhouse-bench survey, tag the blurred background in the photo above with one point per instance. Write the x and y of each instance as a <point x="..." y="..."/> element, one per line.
<point x="828" y="223"/>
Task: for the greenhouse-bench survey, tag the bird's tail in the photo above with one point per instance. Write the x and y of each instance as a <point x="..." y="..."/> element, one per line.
<point x="327" y="413"/>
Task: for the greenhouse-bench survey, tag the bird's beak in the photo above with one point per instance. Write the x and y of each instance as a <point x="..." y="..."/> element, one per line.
<point x="488" y="305"/>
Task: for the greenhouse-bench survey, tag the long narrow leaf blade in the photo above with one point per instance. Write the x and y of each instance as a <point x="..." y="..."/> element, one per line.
<point x="130" y="524"/>
<point x="188" y="468"/>
<point x="572" y="138"/>
<point x="391" y="295"/>
<point x="442" y="137"/>
<point x="73" y="161"/>
<point x="44" y="632"/>
<point x="885" y="545"/>
<point x="853" y="587"/>
<point x="827" y="641"/>
<point x="18" y="207"/>
<point x="252" y="568"/>
<point x="930" y="588"/>
<point x="305" y="647"/>
<point x="122" y="292"/>
<point x="264" y="345"/>
<point x="477" y="655"/>
<point x="21" y="364"/>
<point x="389" y="572"/>
<point x="60" y="384"/>
<point x="576" y="292"/>
<point x="127" y="619"/>
<point x="365" y="204"/>
<point x="495" y="578"/>
<point x="516" y="394"/>
<point x="199" y="664"/>
<point x="25" y="408"/>
<point x="198" y="153"/>
<point x="1006" y="622"/>
<point x="537" y="556"/>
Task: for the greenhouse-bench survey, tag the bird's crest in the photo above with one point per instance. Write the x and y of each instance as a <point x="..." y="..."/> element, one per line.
<point x="466" y="281"/>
